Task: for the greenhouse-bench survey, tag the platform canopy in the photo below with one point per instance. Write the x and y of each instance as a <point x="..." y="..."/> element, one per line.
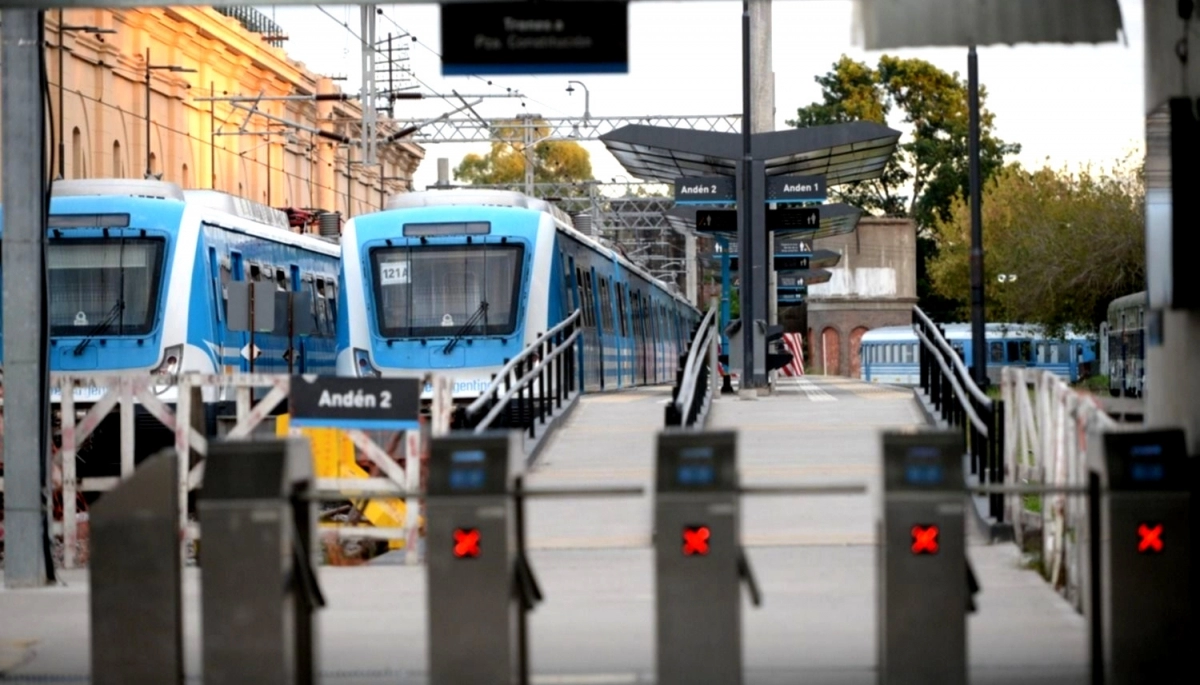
<point x="836" y="219"/>
<point x="843" y="153"/>
<point x="890" y="24"/>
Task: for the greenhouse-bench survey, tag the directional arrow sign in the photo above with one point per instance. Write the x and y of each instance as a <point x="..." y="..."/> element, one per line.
<point x="716" y="221"/>
<point x="780" y="263"/>
<point x="798" y="219"/>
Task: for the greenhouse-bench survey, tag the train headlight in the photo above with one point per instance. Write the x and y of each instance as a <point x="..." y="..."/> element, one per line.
<point x="172" y="360"/>
<point x="363" y="366"/>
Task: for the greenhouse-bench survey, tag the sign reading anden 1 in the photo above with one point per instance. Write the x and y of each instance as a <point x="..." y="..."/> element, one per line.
<point x="584" y="37"/>
<point x="362" y="403"/>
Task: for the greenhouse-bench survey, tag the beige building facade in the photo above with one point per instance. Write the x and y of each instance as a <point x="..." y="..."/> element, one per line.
<point x="874" y="285"/>
<point x="203" y="144"/>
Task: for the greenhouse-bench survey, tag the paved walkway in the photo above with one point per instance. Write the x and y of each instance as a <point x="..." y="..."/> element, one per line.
<point x="814" y="557"/>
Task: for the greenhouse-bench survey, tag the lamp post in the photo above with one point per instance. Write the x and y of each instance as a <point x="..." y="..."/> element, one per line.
<point x="587" y="113"/>
<point x="62" y="108"/>
<point x="149" y="68"/>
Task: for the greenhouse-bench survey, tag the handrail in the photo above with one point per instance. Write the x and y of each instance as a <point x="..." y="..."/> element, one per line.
<point x="685" y="397"/>
<point x="530" y="375"/>
<point x="980" y="425"/>
<point x="483" y="398"/>
<point x="979" y="395"/>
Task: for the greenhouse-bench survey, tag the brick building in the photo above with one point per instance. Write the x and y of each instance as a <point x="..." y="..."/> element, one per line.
<point x="874" y="285"/>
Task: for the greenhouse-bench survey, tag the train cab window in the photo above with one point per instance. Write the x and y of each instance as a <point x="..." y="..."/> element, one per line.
<point x="996" y="352"/>
<point x="435" y="290"/>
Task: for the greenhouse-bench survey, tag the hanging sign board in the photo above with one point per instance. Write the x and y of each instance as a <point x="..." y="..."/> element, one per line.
<point x="585" y="37"/>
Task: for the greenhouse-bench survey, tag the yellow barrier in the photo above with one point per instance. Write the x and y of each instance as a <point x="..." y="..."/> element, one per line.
<point x="333" y="457"/>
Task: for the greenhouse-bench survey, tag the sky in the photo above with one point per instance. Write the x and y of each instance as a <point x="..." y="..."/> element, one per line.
<point x="1066" y="105"/>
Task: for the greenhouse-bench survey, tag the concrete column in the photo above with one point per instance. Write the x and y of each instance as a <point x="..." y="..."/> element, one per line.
<point x="26" y="453"/>
<point x="1172" y="344"/>
<point x="762" y="94"/>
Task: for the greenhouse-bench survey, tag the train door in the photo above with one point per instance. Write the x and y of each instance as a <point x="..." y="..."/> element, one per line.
<point x="598" y="321"/>
<point x="240" y="339"/>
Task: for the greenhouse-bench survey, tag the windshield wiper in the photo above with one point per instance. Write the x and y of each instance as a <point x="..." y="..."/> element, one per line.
<point x="466" y="327"/>
<point x="101" y="327"/>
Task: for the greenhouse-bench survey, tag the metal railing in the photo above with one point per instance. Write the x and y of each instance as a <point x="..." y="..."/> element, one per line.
<point x="532" y="386"/>
<point x="947" y="383"/>
<point x="692" y="395"/>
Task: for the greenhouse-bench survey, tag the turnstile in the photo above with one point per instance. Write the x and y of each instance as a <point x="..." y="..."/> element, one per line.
<point x="471" y="552"/>
<point x="1145" y="559"/>
<point x="258" y="585"/>
<point x="699" y="562"/>
<point x="923" y="587"/>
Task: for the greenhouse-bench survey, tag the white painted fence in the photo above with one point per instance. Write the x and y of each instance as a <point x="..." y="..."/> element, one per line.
<point x="1047" y="427"/>
<point x="122" y="391"/>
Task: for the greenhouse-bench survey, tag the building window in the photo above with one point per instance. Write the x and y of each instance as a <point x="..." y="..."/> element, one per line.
<point x="77" y="170"/>
<point x="117" y="167"/>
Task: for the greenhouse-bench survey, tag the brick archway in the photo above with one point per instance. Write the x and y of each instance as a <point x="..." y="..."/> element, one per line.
<point x="831" y="350"/>
<point x="855" y="351"/>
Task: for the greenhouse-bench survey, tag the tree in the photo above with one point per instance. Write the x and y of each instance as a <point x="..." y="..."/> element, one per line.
<point x="930" y="168"/>
<point x="554" y="161"/>
<point x="1075" y="241"/>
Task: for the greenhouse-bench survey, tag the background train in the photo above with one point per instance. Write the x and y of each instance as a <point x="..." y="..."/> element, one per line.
<point x="460" y="281"/>
<point x="890" y="354"/>
<point x="138" y="277"/>
<point x="1126" y="339"/>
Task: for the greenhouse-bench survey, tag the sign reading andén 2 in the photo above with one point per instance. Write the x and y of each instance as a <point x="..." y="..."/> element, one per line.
<point x="363" y="403"/>
<point x="586" y="37"/>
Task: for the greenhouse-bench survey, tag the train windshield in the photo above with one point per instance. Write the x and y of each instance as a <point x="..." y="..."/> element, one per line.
<point x="105" y="286"/>
<point x="427" y="291"/>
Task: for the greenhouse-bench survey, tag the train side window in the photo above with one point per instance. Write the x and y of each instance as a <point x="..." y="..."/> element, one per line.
<point x="996" y="352"/>
<point x="281" y="280"/>
<point x="255" y="272"/>
<point x="332" y="306"/>
<point x="218" y="282"/>
<point x="1026" y="351"/>
<point x="916" y="352"/>
<point x="1064" y="352"/>
<point x="1041" y="353"/>
<point x="621" y="309"/>
<point x="323" y="327"/>
<point x="237" y="265"/>
<point x="907" y="350"/>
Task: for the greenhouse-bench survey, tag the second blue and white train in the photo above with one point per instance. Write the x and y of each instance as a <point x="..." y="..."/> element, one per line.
<point x="460" y="281"/>
<point x="890" y="354"/>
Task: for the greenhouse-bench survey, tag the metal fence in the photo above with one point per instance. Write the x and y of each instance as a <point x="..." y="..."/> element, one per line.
<point x="692" y="394"/>
<point x="532" y="387"/>
<point x="947" y="383"/>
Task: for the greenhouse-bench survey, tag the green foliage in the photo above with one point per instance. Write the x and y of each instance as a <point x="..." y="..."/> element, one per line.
<point x="554" y="161"/>
<point x="1075" y="241"/>
<point x="931" y="160"/>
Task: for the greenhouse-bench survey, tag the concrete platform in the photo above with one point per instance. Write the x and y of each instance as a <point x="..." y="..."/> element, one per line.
<point x="814" y="557"/>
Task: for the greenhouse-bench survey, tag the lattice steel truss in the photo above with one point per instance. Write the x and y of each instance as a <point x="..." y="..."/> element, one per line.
<point x="471" y="130"/>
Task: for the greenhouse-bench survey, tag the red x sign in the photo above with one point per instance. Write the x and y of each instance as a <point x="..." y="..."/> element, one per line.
<point x="695" y="540"/>
<point x="925" y="539"/>
<point x="466" y="542"/>
<point x="1150" y="538"/>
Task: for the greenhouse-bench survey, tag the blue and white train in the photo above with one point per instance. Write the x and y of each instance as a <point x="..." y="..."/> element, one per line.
<point x="460" y="281"/>
<point x="137" y="283"/>
<point x="890" y="354"/>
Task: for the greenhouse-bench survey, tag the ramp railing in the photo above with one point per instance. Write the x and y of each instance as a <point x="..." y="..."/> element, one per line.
<point x="692" y="395"/>
<point x="533" y="386"/>
<point x="947" y="383"/>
